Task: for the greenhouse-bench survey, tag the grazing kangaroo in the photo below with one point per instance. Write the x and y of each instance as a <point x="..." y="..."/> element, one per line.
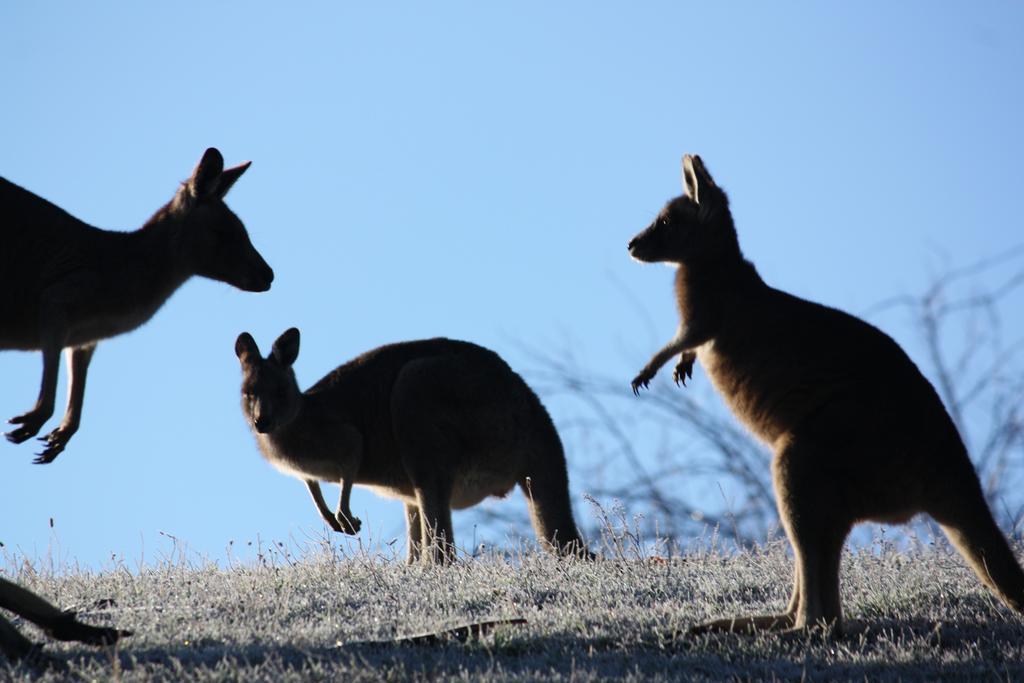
<point x="56" y="622"/>
<point x="856" y="430"/>
<point x="438" y="424"/>
<point x="68" y="285"/>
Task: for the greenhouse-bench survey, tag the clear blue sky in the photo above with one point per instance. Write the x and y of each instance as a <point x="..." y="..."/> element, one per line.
<point x="475" y="171"/>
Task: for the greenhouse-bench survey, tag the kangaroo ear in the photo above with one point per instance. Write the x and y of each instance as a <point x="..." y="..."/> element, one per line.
<point x="206" y="177"/>
<point x="704" y="178"/>
<point x="696" y="179"/>
<point x="228" y="178"/>
<point x="690" y="185"/>
<point x="245" y="348"/>
<point x="286" y="348"/>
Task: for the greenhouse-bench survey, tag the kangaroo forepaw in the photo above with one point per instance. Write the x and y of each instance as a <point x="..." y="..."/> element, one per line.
<point x="683" y="371"/>
<point x="641" y="380"/>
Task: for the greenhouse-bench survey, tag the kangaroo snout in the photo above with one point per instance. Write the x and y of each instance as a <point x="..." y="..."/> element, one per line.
<point x="638" y="248"/>
<point x="264" y="279"/>
<point x="258" y="279"/>
<point x="262" y="424"/>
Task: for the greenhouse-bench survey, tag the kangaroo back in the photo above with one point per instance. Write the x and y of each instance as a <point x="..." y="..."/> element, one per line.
<point x="33" y="233"/>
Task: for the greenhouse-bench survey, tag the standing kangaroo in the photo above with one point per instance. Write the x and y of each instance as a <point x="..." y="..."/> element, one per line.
<point x="55" y="622"/>
<point x="856" y="430"/>
<point x="438" y="424"/>
<point x="67" y="285"/>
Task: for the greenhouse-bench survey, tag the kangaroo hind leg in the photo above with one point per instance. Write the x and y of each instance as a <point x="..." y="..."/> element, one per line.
<point x="32" y="421"/>
<point x="816" y="529"/>
<point x="414" y="529"/>
<point x="78" y="359"/>
<point x="816" y="523"/>
<point x="55" y="622"/>
<point x="437" y="539"/>
<point x="13" y="645"/>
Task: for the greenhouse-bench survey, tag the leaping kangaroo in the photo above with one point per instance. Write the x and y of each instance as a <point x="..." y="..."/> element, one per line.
<point x="67" y="285"/>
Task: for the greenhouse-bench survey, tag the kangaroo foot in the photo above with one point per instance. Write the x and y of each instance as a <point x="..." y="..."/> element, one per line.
<point x="746" y="625"/>
<point x="827" y="629"/>
<point x="31" y="422"/>
<point x="68" y="627"/>
<point x="55" y="442"/>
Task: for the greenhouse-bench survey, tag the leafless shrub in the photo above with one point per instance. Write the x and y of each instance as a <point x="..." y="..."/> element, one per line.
<point x="679" y="458"/>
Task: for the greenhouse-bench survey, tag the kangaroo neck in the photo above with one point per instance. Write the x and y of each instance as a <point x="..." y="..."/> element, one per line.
<point x="156" y="264"/>
<point x="708" y="291"/>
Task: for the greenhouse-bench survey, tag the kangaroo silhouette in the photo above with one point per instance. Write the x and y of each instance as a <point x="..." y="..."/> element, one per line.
<point x="68" y="285"/>
<point x="437" y="423"/>
<point x="857" y="432"/>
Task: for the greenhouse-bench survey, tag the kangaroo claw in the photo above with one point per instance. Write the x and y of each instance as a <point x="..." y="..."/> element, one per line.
<point x="638" y="382"/>
<point x="683" y="371"/>
<point x="55" y="442"/>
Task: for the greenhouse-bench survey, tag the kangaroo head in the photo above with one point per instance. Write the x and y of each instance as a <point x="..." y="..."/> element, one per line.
<point x="214" y="238"/>
<point x="694" y="226"/>
<point x="270" y="394"/>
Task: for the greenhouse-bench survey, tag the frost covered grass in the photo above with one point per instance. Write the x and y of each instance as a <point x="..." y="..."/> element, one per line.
<point x="912" y="614"/>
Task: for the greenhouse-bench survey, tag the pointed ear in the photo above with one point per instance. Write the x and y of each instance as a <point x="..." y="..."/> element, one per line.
<point x="690" y="186"/>
<point x="246" y="349"/>
<point x="286" y="348"/>
<point x="206" y="177"/>
<point x="704" y="178"/>
<point x="228" y="178"/>
<point x="696" y="179"/>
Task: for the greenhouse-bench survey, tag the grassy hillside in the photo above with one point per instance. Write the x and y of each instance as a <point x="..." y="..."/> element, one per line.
<point x="917" y="615"/>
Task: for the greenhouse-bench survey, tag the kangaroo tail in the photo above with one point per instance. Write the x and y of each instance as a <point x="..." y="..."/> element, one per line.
<point x="546" y="487"/>
<point x="975" y="534"/>
<point x="545" y="480"/>
<point x="551" y="514"/>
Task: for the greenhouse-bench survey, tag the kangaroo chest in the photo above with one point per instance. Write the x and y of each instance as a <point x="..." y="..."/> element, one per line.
<point x="757" y="392"/>
<point x="305" y="463"/>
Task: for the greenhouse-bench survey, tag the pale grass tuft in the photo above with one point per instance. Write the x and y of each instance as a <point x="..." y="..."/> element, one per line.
<point x="311" y="614"/>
